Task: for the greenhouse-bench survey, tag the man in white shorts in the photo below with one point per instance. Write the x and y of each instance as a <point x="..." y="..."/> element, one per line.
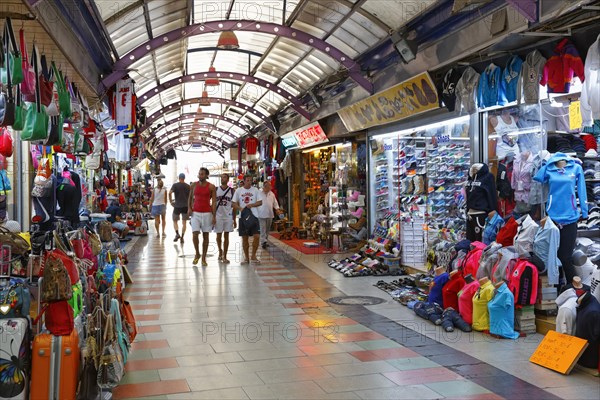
<point x="202" y="206"/>
<point x="225" y="218"/>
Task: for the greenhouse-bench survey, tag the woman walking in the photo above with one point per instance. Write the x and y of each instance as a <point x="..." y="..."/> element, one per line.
<point x="159" y="206"/>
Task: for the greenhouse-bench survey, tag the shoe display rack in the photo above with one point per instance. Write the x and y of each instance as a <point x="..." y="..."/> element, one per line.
<point x="591" y="226"/>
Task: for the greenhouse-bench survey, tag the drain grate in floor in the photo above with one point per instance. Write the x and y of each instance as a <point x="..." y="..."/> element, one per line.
<point x="356" y="300"/>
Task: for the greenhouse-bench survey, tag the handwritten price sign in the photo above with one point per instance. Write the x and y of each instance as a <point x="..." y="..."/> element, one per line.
<point x="559" y="352"/>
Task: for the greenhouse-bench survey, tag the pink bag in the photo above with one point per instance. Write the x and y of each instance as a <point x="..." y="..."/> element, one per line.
<point x="29" y="78"/>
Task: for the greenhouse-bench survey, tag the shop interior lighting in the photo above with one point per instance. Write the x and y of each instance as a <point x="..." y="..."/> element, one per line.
<point x="212" y="81"/>
<point x="228" y="41"/>
<point x="317" y="149"/>
<point x="443" y="124"/>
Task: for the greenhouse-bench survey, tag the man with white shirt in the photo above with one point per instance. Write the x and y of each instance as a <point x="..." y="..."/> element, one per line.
<point x="246" y="200"/>
<point x="265" y="213"/>
<point x="225" y="218"/>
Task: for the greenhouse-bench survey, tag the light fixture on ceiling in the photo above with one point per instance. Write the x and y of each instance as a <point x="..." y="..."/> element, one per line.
<point x="405" y="46"/>
<point x="212" y="81"/>
<point x="204" y="99"/>
<point x="228" y="41"/>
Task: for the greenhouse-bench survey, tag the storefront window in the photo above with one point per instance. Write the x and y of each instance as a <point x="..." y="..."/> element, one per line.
<point x="416" y="184"/>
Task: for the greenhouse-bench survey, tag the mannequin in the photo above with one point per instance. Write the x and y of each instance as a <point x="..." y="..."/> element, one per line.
<point x="587" y="327"/>
<point x="502" y="312"/>
<point x="451" y="289"/>
<point x="481" y="199"/>
<point x="481" y="315"/>
<point x="584" y="267"/>
<point x="566" y="183"/>
<point x="506" y="194"/>
<point x="567" y="310"/>
<point x="439" y="281"/>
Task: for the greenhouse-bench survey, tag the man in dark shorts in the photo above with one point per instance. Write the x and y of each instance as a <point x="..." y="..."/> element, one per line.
<point x="246" y="200"/>
<point x="180" y="205"/>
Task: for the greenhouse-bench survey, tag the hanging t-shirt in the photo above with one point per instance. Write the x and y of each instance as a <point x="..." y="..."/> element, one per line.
<point x="465" y="301"/>
<point x="124" y="103"/>
<point x="501" y="309"/>
<point x="447" y="89"/>
<point x="435" y="293"/>
<point x="481" y="315"/>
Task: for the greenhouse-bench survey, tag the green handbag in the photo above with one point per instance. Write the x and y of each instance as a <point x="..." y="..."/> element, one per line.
<point x="15" y="61"/>
<point x="20" y="112"/>
<point x="36" y="119"/>
<point x="64" y="98"/>
<point x="76" y="302"/>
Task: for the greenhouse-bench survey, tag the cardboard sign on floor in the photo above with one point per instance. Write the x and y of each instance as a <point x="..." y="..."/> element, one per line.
<point x="559" y="352"/>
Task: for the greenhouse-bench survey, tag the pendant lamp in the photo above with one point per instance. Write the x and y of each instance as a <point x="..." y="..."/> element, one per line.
<point x="228" y="41"/>
<point x="211" y="81"/>
<point x="204" y="99"/>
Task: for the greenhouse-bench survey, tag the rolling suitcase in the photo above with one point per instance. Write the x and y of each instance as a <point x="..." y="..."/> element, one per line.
<point x="15" y="357"/>
<point x="55" y="367"/>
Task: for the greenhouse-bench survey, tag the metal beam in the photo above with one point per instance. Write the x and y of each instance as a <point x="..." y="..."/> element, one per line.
<point x="209" y="145"/>
<point x="189" y="116"/>
<point x="253" y="53"/>
<point x="202" y="76"/>
<point x="210" y="127"/>
<point x="172" y="106"/>
<point x="121" y="66"/>
<point x="190" y="132"/>
<point x="213" y="145"/>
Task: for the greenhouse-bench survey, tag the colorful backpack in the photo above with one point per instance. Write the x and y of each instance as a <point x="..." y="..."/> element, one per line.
<point x="523" y="282"/>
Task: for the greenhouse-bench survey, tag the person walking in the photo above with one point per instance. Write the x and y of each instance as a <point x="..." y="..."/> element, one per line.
<point x="202" y="204"/>
<point x="265" y="213"/>
<point x="159" y="206"/>
<point x="246" y="200"/>
<point x="225" y="217"/>
<point x="181" y="190"/>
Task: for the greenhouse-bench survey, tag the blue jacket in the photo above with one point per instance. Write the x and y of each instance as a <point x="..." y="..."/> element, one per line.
<point x="435" y="293"/>
<point x="489" y="90"/>
<point x="502" y="313"/>
<point x="545" y="246"/>
<point x="564" y="185"/>
<point x="491" y="228"/>
<point x="511" y="79"/>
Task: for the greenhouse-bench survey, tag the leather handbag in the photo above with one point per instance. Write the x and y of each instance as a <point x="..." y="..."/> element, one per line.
<point x="17" y="244"/>
<point x="44" y="82"/>
<point x="55" y="131"/>
<point x="13" y="64"/>
<point x="64" y="98"/>
<point x="36" y="119"/>
<point x="111" y="365"/>
<point x="56" y="285"/>
<point x="29" y="75"/>
<point x="6" y="143"/>
<point x="88" y="378"/>
<point x="7" y="101"/>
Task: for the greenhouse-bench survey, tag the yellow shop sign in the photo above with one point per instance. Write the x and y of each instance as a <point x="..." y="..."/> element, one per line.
<point x="401" y="101"/>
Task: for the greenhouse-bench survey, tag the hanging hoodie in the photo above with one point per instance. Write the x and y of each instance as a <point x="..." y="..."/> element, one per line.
<point x="447" y="89"/>
<point x="590" y="93"/>
<point x="531" y="73"/>
<point x="511" y="79"/>
<point x="465" y="91"/>
<point x="481" y="191"/>
<point x="561" y="67"/>
<point x="545" y="246"/>
<point x="567" y="312"/>
<point x="521" y="176"/>
<point x="502" y="313"/>
<point x="587" y="327"/>
<point x="525" y="235"/>
<point x="565" y="185"/>
<point x="489" y="91"/>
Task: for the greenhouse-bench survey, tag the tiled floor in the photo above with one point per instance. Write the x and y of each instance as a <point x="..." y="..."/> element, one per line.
<point x="267" y="332"/>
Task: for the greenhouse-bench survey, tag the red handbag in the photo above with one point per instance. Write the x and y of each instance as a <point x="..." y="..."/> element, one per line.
<point x="29" y="78"/>
<point x="46" y="86"/>
<point x="59" y="318"/>
<point x="6" y="143"/>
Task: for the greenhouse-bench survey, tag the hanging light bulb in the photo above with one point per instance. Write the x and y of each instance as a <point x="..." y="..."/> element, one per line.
<point x="204" y="99"/>
<point x="228" y="41"/>
<point x="212" y="81"/>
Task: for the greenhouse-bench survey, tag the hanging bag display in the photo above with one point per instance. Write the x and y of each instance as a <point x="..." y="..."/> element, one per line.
<point x="13" y="64"/>
<point x="6" y="143"/>
<point x="18" y="245"/>
<point x="29" y="75"/>
<point x="55" y="131"/>
<point x="42" y="183"/>
<point x="111" y="365"/>
<point x="36" y="120"/>
<point x="75" y="104"/>
<point x="56" y="284"/>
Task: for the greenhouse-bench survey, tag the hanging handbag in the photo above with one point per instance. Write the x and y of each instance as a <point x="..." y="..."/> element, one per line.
<point x="122" y="336"/>
<point x="20" y="112"/>
<point x="55" y="131"/>
<point x="59" y="317"/>
<point x="110" y="368"/>
<point x="4" y="181"/>
<point x="56" y="284"/>
<point x="7" y="101"/>
<point x="129" y="319"/>
<point x="6" y="142"/>
<point x="42" y="183"/>
<point x="29" y="75"/>
<point x="44" y="81"/>
<point x="75" y="104"/>
<point x="36" y="120"/>
<point x="3" y="205"/>
<point x="88" y="379"/>
<point x="64" y="98"/>
<point x="13" y="64"/>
